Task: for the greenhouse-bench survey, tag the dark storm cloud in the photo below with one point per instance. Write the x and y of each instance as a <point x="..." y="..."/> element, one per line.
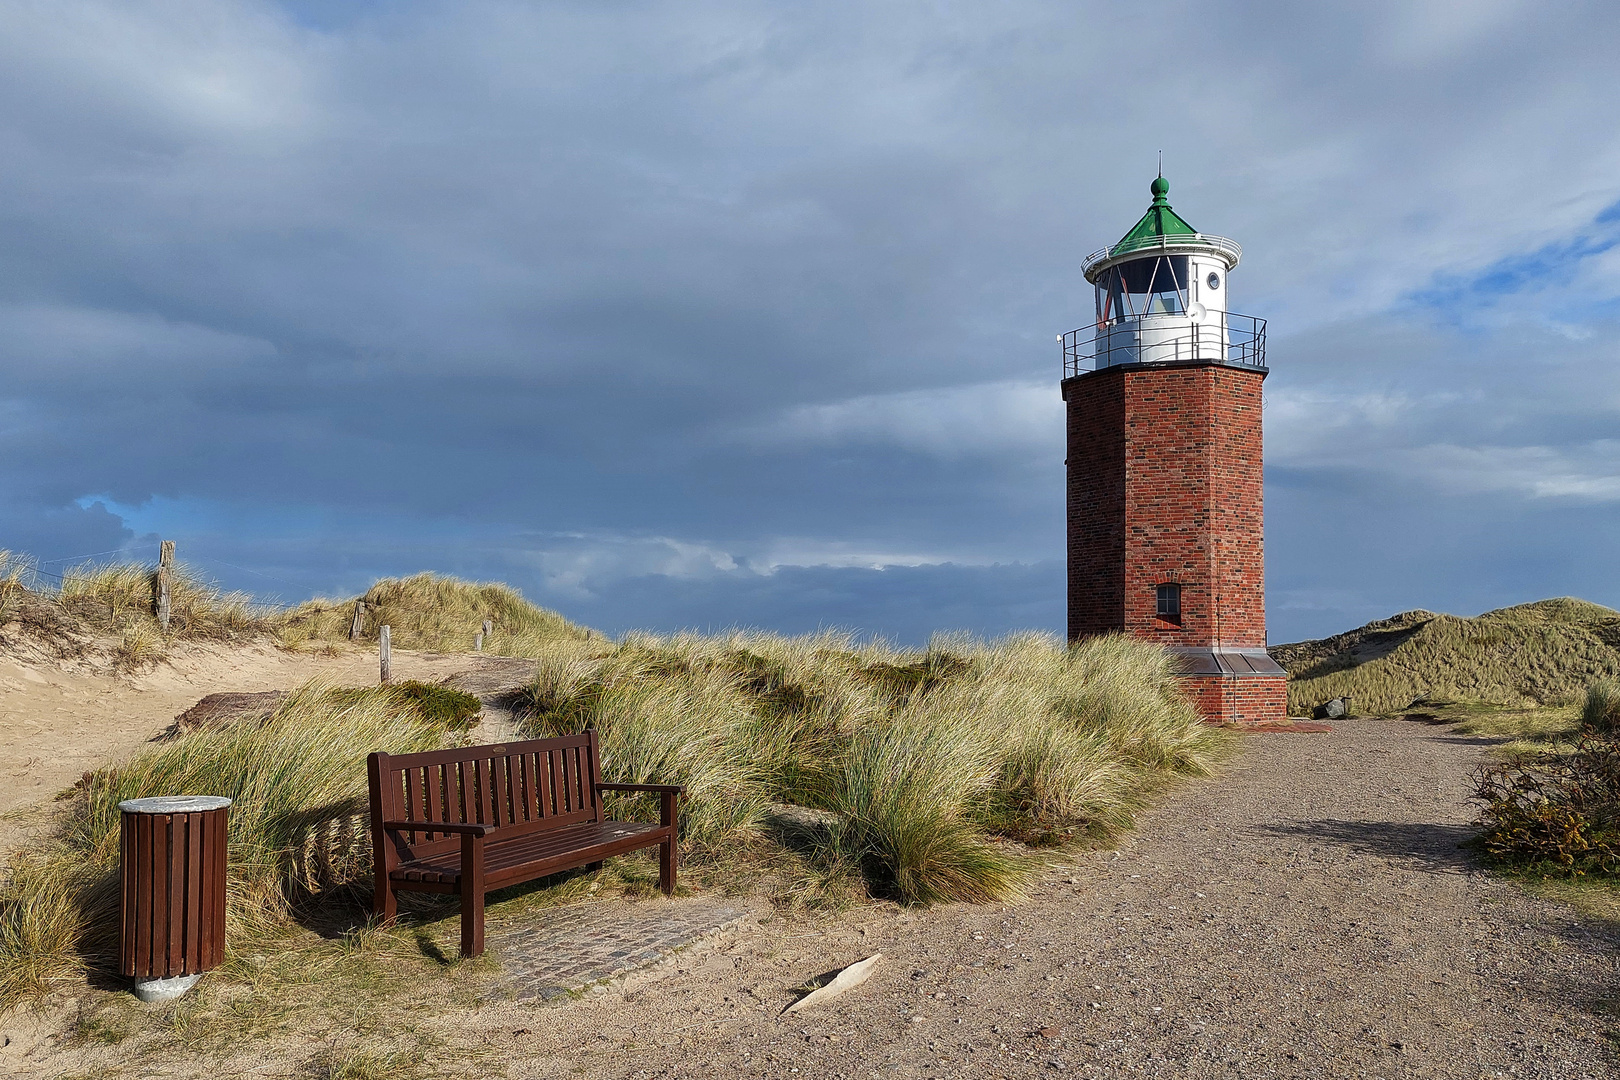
<point x="682" y="308"/>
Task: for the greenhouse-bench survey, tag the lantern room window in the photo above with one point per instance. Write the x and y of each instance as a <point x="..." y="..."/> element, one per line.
<point x="1170" y="603"/>
<point x="1153" y="286"/>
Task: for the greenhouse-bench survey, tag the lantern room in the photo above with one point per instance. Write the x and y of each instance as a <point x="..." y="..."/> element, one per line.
<point x="1161" y="296"/>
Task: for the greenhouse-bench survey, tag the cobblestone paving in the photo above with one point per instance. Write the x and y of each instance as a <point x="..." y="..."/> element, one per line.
<point x="568" y="949"/>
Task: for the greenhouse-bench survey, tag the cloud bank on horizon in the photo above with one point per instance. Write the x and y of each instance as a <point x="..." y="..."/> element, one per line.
<point x="712" y="314"/>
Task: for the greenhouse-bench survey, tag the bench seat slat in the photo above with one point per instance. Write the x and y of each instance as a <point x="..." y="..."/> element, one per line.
<point x="573" y="845"/>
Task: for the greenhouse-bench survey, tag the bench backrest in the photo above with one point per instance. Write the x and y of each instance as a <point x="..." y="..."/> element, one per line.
<point x="517" y="787"/>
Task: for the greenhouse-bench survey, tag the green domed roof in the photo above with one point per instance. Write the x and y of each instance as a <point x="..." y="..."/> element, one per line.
<point x="1158" y="222"/>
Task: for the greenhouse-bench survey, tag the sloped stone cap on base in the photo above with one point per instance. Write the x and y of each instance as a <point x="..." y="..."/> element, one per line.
<point x="1242" y="663"/>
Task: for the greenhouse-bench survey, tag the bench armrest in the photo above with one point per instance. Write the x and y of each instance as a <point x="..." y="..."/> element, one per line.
<point x="439" y="827"/>
<point x="667" y="793"/>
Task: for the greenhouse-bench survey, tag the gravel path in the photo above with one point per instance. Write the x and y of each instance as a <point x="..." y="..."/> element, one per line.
<point x="1308" y="914"/>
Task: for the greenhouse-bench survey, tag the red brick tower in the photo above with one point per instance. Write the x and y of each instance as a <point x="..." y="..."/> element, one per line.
<point x="1166" y="527"/>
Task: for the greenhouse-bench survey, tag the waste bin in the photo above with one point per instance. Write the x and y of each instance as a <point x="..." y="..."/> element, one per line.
<point x="173" y="908"/>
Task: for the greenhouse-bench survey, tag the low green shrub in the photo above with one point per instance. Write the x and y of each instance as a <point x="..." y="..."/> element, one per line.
<point x="1555" y="813"/>
<point x="443" y="706"/>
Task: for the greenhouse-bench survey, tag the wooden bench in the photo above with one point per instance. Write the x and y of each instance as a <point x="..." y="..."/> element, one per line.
<point x="475" y="819"/>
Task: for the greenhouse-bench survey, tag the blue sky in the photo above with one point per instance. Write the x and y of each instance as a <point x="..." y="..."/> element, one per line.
<point x="712" y="314"/>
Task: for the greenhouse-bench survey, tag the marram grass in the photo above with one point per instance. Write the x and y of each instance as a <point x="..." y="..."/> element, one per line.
<point x="122" y="598"/>
<point x="1545" y="653"/>
<point x="300" y="772"/>
<point x="927" y="763"/>
<point x="437" y="613"/>
<point x="924" y="775"/>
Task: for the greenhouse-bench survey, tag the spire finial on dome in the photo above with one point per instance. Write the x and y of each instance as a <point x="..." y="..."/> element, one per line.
<point x="1160" y="188"/>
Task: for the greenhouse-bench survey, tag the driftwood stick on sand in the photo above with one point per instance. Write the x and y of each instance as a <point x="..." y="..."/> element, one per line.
<point x="845" y="980"/>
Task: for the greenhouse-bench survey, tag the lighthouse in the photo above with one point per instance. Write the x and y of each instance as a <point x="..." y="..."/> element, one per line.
<point x="1166" y="524"/>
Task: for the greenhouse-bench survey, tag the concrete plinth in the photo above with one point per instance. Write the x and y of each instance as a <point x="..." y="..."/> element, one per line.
<point x="164" y="989"/>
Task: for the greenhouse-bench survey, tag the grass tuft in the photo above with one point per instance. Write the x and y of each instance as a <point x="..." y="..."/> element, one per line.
<point x="121" y="598"/>
<point x="1602" y="709"/>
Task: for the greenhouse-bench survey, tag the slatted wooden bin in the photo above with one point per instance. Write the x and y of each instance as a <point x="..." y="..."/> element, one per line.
<point x="173" y="908"/>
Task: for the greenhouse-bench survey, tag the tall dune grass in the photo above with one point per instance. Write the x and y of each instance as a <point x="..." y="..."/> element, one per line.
<point x="297" y="773"/>
<point x="441" y="614"/>
<point x="1545" y="653"/>
<point x="119" y="597"/>
<point x="926" y="775"/>
<point x="924" y="759"/>
<point x="11" y="583"/>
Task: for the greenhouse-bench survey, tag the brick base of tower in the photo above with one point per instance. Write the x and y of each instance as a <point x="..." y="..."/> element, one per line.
<point x="1227" y="699"/>
<point x="1165" y="489"/>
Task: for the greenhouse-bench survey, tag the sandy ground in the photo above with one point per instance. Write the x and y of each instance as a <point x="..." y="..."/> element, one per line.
<point x="58" y="721"/>
<point x="1307" y="914"/>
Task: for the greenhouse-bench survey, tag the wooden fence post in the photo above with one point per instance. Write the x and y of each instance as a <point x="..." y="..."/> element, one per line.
<point x="385" y="654"/>
<point x="478" y="638"/>
<point x="358" y="626"/>
<point x="165" y="579"/>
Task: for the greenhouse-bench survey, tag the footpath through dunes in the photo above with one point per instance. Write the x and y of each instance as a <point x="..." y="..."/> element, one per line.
<point x="1308" y="914"/>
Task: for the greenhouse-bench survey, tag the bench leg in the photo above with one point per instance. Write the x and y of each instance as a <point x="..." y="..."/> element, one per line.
<point x="472" y="896"/>
<point x="666" y="867"/>
<point x="384" y="901"/>
<point x="594" y="867"/>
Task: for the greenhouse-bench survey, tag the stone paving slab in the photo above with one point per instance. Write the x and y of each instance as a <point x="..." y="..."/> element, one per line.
<point x="567" y="949"/>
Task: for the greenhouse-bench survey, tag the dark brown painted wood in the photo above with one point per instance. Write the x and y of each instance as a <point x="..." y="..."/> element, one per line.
<point x="464" y="782"/>
<point x="378" y="773"/>
<point x="413" y="799"/>
<point x="548" y="764"/>
<point x="539" y="804"/>
<point x="172" y="895"/>
<point x="194" y="892"/>
<point x="143" y="895"/>
<point x="500" y="811"/>
<point x="595" y="769"/>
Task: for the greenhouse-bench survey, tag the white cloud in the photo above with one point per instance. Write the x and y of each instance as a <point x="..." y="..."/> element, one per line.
<point x="1001" y="418"/>
<point x="1585" y="472"/>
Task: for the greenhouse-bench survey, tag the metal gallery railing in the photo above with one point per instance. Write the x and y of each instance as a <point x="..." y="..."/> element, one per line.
<point x="1234" y="339"/>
